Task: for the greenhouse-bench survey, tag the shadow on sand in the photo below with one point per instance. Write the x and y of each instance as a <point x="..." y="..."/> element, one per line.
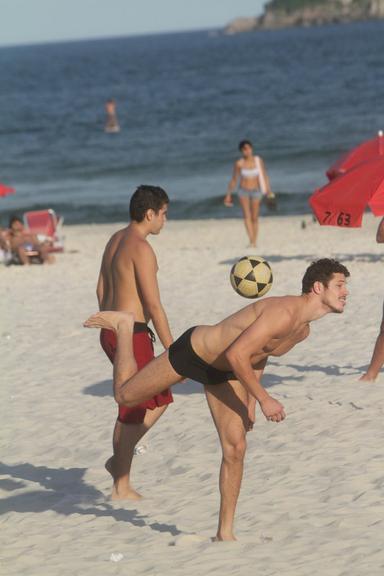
<point x="345" y="258"/>
<point x="104" y="388"/>
<point x="66" y="492"/>
<point x="330" y="370"/>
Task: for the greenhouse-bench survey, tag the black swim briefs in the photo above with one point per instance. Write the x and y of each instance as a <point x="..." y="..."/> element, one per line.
<point x="188" y="364"/>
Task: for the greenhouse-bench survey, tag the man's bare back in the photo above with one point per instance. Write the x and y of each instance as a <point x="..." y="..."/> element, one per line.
<point x="117" y="288"/>
<point x="211" y="342"/>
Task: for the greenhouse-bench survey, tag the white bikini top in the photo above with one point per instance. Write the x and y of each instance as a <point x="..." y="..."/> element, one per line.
<point x="251" y="172"/>
<point x="254" y="173"/>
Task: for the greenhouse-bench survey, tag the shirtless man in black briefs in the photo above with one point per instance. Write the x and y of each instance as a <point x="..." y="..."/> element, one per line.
<point x="229" y="359"/>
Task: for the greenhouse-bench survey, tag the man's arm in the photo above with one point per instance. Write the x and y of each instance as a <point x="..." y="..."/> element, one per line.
<point x="252" y="342"/>
<point x="380" y="232"/>
<point x="146" y="273"/>
<point x="100" y="288"/>
<point x="251" y="399"/>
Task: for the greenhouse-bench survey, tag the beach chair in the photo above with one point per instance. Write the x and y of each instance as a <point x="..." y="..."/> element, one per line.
<point x="46" y="225"/>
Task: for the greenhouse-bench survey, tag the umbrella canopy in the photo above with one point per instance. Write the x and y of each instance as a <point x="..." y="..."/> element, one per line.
<point x="5" y="190"/>
<point x="343" y="201"/>
<point x="366" y="151"/>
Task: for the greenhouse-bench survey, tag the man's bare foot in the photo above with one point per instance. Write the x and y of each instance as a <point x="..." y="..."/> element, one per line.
<point x="110" y="320"/>
<point x="367" y="378"/>
<point x="222" y="538"/>
<point x="126" y="493"/>
<point x="121" y="490"/>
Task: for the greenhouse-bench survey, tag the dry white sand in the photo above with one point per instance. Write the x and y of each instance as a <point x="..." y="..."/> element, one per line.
<point x="311" y="501"/>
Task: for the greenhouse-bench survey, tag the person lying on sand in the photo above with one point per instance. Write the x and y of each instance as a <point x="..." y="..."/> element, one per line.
<point x="229" y="358"/>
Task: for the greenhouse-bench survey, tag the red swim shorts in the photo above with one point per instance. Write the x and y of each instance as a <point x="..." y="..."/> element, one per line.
<point x="143" y="351"/>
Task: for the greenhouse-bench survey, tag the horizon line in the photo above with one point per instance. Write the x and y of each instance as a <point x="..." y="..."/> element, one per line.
<point x="109" y="37"/>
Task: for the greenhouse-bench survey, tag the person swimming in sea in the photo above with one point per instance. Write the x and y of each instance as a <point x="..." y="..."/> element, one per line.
<point x="112" y="123"/>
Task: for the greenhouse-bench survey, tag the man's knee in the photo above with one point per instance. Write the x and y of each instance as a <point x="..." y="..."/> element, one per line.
<point x="234" y="450"/>
<point x="124" y="399"/>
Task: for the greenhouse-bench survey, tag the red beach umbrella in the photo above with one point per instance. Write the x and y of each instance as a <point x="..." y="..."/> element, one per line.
<point x="363" y="152"/>
<point x="5" y="190"/>
<point x="343" y="201"/>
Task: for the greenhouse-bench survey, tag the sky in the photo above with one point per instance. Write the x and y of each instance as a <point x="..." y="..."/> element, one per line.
<point x="30" y="21"/>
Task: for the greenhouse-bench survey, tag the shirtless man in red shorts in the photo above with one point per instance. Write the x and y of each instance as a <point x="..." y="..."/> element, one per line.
<point x="229" y="358"/>
<point x="377" y="360"/>
<point x="128" y="282"/>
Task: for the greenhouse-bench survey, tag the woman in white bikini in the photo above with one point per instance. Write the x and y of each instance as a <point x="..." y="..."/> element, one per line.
<point x="254" y="182"/>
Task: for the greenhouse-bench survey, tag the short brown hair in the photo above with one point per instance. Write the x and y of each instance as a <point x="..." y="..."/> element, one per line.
<point x="322" y="271"/>
<point x="147" y="198"/>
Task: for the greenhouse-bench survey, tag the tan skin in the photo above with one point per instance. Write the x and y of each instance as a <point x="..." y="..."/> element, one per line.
<point x="110" y="109"/>
<point x="243" y="342"/>
<point x="128" y="283"/>
<point x="19" y="236"/>
<point x="377" y="360"/>
<point x="250" y="206"/>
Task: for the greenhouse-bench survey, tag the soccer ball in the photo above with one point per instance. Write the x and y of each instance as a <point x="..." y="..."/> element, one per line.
<point x="251" y="277"/>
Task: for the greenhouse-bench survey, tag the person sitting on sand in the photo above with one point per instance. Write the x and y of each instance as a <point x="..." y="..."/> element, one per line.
<point x="254" y="182"/>
<point x="22" y="242"/>
<point x="377" y="359"/>
<point x="229" y="360"/>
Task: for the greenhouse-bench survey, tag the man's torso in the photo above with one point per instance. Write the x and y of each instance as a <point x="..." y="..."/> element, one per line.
<point x="211" y="342"/>
<point x="121" y="290"/>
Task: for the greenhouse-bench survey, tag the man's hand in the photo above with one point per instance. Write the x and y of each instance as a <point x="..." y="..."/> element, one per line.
<point x="251" y="412"/>
<point x="272" y="409"/>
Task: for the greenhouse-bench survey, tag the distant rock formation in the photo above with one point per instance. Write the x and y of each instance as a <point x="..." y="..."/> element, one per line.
<point x="286" y="13"/>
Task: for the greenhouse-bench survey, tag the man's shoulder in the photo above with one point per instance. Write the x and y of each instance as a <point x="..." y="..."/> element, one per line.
<point x="139" y="250"/>
<point x="282" y="309"/>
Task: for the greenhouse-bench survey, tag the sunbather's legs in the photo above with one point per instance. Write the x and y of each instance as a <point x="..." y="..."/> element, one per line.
<point x="22" y="254"/>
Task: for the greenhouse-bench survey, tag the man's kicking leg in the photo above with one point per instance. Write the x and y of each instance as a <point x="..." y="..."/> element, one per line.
<point x="131" y="387"/>
<point x="228" y="405"/>
<point x="125" y="438"/>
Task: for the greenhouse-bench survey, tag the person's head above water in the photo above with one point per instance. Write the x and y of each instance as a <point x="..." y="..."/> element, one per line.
<point x="246" y="148"/>
<point x="326" y="278"/>
<point x="149" y="204"/>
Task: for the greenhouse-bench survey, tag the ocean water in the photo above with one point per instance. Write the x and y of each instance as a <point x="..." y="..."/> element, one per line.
<point x="303" y="96"/>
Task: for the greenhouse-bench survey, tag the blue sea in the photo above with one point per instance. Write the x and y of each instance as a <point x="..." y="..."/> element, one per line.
<point x="303" y="96"/>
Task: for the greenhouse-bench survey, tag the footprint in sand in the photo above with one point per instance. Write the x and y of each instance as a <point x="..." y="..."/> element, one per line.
<point x="188" y="540"/>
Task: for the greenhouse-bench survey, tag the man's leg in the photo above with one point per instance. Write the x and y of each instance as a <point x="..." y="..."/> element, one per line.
<point x="44" y="254"/>
<point x="22" y="254"/>
<point x="125" y="438"/>
<point x="131" y="387"/>
<point x="377" y="359"/>
<point x="228" y="405"/>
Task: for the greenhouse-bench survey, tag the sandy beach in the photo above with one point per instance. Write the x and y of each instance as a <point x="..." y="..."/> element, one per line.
<point x="311" y="500"/>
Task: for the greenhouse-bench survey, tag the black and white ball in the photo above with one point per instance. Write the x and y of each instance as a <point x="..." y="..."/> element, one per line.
<point x="251" y="277"/>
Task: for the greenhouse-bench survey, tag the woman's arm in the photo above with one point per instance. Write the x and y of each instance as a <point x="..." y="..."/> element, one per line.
<point x="232" y="184"/>
<point x="264" y="179"/>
